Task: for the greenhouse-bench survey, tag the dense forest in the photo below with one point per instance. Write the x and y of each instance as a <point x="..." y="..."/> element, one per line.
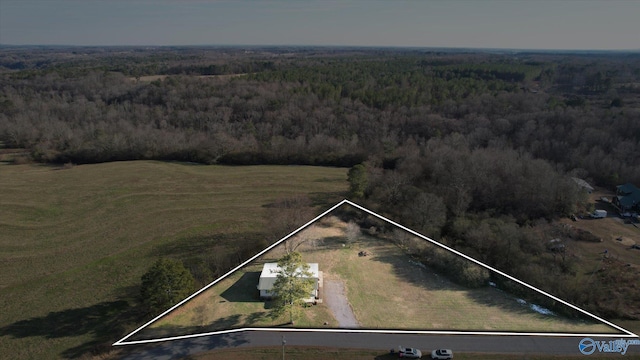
<point x="474" y="149"/>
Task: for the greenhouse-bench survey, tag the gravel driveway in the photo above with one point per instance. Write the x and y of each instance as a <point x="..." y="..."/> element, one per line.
<point x="336" y="299"/>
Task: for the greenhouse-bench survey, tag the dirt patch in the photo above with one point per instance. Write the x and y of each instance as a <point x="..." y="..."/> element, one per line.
<point x="625" y="241"/>
<point x="617" y="235"/>
<point x="148" y="78"/>
<point x="221" y="77"/>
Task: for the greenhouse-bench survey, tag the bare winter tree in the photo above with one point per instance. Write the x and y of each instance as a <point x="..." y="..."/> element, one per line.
<point x="287" y="215"/>
<point x="352" y="232"/>
<point x="293" y="243"/>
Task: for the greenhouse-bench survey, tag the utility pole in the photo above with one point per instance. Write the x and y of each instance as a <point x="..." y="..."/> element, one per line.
<point x="283" y="343"/>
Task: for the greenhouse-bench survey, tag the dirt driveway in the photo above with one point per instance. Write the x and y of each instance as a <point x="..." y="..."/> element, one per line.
<point x="336" y="299"/>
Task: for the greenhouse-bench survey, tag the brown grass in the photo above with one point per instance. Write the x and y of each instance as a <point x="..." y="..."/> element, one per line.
<point x="619" y="252"/>
<point x="609" y="230"/>
<point x="421" y="299"/>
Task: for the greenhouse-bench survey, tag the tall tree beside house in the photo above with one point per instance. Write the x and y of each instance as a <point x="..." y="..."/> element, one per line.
<point x="165" y="284"/>
<point x="293" y="284"/>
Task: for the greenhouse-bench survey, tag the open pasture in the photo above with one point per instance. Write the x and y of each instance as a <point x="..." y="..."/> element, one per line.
<point x="74" y="242"/>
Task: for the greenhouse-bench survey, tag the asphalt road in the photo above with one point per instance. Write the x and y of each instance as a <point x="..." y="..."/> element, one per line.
<point x="177" y="349"/>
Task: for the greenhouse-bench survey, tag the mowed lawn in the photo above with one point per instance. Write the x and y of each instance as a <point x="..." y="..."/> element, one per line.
<point x="74" y="242"/>
<point x="420" y="298"/>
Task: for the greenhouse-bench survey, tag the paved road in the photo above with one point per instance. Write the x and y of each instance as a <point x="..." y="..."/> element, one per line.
<point x="464" y="343"/>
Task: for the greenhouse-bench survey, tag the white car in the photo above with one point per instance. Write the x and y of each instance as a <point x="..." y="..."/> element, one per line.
<point x="409" y="353"/>
<point x="442" y="354"/>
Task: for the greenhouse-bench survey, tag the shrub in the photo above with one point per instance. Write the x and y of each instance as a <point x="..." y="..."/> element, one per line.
<point x="458" y="270"/>
<point x="165" y="284"/>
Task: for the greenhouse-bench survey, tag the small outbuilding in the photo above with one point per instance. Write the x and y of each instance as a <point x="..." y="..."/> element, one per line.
<point x="270" y="273"/>
<point x="583" y="185"/>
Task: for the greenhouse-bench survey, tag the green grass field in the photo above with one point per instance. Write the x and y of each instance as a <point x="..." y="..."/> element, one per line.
<point x="75" y="242"/>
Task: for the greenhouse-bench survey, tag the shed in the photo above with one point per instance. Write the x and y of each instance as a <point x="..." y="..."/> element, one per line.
<point x="270" y="272"/>
<point x="583" y="184"/>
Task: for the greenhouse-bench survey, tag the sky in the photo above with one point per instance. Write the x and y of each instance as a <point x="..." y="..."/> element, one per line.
<point x="506" y="24"/>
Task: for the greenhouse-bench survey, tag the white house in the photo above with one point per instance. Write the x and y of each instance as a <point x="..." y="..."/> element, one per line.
<point x="270" y="273"/>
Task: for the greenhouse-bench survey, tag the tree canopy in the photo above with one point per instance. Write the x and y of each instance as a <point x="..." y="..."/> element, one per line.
<point x="448" y="141"/>
<point x="166" y="283"/>
<point x="357" y="177"/>
<point x="293" y="284"/>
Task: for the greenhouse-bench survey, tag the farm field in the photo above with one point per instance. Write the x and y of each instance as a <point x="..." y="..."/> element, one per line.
<point x="75" y="241"/>
<point x="421" y="298"/>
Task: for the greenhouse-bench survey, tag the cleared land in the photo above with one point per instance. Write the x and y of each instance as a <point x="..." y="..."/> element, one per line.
<point x="617" y="234"/>
<point x="150" y="78"/>
<point x="422" y="299"/>
<point x="74" y="242"/>
<point x="617" y="237"/>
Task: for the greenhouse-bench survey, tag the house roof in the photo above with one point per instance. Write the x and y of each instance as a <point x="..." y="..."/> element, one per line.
<point x="627" y="201"/>
<point x="583" y="184"/>
<point x="270" y="273"/>
<point x="628" y="189"/>
<point x="629" y="195"/>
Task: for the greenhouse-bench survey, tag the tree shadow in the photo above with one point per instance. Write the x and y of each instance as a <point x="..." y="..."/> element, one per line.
<point x="387" y="356"/>
<point x="523" y="301"/>
<point x="412" y="271"/>
<point x="255" y="317"/>
<point x="128" y="292"/>
<point x="103" y="320"/>
<point x="224" y="323"/>
<point x="323" y="199"/>
<point x="269" y="304"/>
<point x="185" y="348"/>
<point x="231" y="322"/>
<point x="332" y="242"/>
<point x="245" y="289"/>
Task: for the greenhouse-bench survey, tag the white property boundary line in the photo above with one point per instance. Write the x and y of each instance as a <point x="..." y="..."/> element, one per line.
<point x="124" y="342"/>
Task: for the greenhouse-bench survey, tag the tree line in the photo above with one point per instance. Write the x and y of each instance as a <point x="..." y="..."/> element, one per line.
<point x="576" y="113"/>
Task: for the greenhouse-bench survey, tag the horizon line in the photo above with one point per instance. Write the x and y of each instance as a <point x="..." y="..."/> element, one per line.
<point x="412" y="47"/>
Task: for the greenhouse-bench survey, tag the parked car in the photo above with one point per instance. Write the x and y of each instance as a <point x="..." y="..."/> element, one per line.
<point x="442" y="354"/>
<point x="409" y="353"/>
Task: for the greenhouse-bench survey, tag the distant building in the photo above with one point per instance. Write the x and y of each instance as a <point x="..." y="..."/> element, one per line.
<point x="583" y="184"/>
<point x="627" y="199"/>
<point x="270" y="273"/>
